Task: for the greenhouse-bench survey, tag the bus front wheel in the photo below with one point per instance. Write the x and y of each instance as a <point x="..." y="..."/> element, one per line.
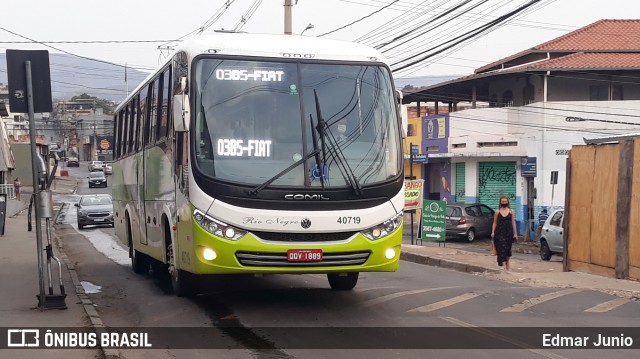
<point x="343" y="281"/>
<point x="181" y="281"/>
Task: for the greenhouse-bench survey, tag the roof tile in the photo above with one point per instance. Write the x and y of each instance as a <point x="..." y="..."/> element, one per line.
<point x="603" y="35"/>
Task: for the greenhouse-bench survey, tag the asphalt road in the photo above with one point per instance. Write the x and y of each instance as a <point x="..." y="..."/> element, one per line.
<point x="416" y="296"/>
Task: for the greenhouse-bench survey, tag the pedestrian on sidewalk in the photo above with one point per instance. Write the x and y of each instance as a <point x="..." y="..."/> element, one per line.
<point x="503" y="232"/>
<point x="542" y="218"/>
<point x="16" y="187"/>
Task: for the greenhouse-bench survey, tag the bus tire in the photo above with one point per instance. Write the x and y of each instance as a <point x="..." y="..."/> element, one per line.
<point x="343" y="281"/>
<point x="139" y="261"/>
<point x="181" y="283"/>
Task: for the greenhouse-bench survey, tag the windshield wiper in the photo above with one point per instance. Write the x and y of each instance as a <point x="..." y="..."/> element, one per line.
<point x="257" y="190"/>
<point x="315" y="149"/>
<point x="338" y="155"/>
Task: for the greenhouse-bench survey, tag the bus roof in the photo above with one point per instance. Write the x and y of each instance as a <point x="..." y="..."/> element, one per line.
<point x="270" y="45"/>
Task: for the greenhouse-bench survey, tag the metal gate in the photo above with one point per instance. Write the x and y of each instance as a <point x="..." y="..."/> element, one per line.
<point x="497" y="179"/>
<point x="460" y="182"/>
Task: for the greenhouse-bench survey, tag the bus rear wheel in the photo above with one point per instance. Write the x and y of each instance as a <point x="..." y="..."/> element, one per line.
<point x="139" y="261"/>
<point x="343" y="281"/>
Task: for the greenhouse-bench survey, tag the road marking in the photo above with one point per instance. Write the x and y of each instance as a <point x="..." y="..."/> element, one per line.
<point x="362" y="290"/>
<point x="521" y="307"/>
<point x="445" y="303"/>
<point x="607" y="306"/>
<point x="492" y="334"/>
<point x="388" y="297"/>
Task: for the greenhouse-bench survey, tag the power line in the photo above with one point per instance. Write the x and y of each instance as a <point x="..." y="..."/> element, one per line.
<point x="247" y="15"/>
<point x="67" y="52"/>
<point x="380" y="30"/>
<point x="436" y="18"/>
<point x="86" y="41"/>
<point x="210" y="21"/>
<point x="460" y="39"/>
<point x="360" y="19"/>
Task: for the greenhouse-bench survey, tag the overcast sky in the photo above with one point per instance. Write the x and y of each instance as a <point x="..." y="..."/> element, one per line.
<point x="144" y="20"/>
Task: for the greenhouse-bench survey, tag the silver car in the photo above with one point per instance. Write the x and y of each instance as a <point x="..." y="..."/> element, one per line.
<point x="551" y="238"/>
<point x="468" y="220"/>
<point x="95" y="209"/>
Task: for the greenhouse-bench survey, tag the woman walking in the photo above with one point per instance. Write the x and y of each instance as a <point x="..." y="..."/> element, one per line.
<point x="503" y="232"/>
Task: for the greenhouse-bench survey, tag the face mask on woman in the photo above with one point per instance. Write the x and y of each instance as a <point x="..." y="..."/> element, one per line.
<point x="504" y="205"/>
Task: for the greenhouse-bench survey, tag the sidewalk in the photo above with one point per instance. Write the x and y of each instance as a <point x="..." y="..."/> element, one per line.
<point x="527" y="269"/>
<point x="20" y="283"/>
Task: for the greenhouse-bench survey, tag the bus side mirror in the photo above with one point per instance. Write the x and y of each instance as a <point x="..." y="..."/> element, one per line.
<point x="181" y="113"/>
<point x="402" y="110"/>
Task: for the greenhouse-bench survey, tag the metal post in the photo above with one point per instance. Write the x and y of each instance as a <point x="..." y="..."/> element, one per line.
<point x="288" y="4"/>
<point x="95" y="140"/>
<point x="36" y="188"/>
<point x="411" y="177"/>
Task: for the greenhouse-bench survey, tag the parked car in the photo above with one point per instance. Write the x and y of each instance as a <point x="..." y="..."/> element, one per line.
<point x="108" y="169"/>
<point x="551" y="239"/>
<point x="96" y="209"/>
<point x="96" y="166"/>
<point x="73" y="162"/>
<point x="468" y="220"/>
<point x="97" y="179"/>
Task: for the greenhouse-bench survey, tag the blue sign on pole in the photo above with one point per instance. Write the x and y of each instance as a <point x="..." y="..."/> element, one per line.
<point x="415" y="149"/>
<point x="529" y="167"/>
<point x="420" y="158"/>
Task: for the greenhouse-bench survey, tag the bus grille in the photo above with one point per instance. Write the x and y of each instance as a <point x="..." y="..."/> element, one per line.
<point x="303" y="237"/>
<point x="261" y="259"/>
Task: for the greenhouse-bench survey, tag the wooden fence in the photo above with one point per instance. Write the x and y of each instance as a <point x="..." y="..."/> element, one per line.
<point x="602" y="210"/>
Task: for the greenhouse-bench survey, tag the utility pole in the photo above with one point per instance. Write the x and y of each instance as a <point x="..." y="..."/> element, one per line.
<point x="95" y="139"/>
<point x="288" y="5"/>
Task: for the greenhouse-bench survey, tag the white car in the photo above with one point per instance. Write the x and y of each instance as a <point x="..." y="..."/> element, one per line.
<point x="551" y="238"/>
<point x="108" y="169"/>
<point x="96" y="166"/>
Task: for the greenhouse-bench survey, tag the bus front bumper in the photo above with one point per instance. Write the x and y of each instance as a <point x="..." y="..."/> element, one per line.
<point x="251" y="255"/>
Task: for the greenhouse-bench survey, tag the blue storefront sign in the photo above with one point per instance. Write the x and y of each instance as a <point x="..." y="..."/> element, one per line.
<point x="529" y="167"/>
<point x="420" y="159"/>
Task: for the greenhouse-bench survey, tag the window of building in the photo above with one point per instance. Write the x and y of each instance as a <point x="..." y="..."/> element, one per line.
<point x="605" y="93"/>
<point x="498" y="144"/>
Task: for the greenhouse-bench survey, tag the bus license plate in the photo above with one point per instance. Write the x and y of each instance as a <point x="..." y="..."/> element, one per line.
<point x="304" y="255"/>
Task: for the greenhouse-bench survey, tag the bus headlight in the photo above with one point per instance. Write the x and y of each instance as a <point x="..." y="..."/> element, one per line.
<point x="209" y="254"/>
<point x="216" y="227"/>
<point x="383" y="229"/>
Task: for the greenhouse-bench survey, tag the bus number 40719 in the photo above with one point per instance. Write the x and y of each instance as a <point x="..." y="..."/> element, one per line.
<point x="348" y="220"/>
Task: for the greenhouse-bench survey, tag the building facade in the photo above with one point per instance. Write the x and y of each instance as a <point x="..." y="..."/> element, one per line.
<point x="523" y="113"/>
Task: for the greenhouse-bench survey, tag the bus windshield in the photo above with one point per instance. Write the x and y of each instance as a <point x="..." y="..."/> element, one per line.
<point x="255" y="119"/>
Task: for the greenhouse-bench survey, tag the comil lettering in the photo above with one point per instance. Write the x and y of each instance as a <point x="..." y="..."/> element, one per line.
<point x="310" y="197"/>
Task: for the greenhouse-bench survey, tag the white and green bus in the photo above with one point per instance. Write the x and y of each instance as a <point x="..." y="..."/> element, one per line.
<point x="261" y="154"/>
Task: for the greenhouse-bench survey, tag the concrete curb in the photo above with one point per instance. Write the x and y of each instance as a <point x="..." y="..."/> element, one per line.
<point x="445" y="263"/>
<point x="87" y="304"/>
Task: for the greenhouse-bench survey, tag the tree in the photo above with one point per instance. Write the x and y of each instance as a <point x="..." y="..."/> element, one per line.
<point x="408" y="88"/>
